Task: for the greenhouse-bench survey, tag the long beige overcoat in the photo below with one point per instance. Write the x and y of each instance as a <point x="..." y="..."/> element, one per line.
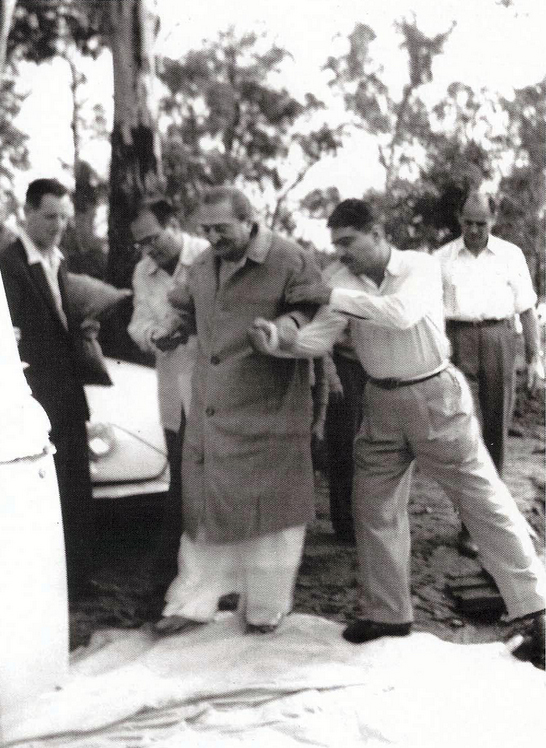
<point x="247" y="460"/>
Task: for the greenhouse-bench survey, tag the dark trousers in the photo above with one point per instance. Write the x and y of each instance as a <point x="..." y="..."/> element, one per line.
<point x="486" y="355"/>
<point x="343" y="421"/>
<point x="72" y="468"/>
<point x="171" y="521"/>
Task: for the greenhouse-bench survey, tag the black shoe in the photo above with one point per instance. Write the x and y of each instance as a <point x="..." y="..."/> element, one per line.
<point x="261" y="628"/>
<point x="364" y="631"/>
<point x="465" y="545"/>
<point x="533" y="645"/>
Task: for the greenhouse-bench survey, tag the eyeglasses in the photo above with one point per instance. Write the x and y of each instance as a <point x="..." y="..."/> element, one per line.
<point x="148" y="241"/>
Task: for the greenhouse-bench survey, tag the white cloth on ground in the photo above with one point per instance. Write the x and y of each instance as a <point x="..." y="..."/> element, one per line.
<point x="302" y="686"/>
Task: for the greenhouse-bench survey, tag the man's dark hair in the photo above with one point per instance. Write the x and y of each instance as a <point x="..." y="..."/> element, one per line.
<point x="354" y="213"/>
<point x="40" y="187"/>
<point x="475" y="193"/>
<point x="242" y="207"/>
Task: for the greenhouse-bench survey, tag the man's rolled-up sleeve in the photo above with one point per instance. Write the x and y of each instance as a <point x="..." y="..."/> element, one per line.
<point x="305" y="275"/>
<point x="399" y="310"/>
<point x="317" y="337"/>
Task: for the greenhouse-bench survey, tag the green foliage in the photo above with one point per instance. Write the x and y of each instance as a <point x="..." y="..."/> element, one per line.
<point x="399" y="125"/>
<point x="229" y="121"/>
<point x="13" y="150"/>
<point x="522" y="216"/>
<point x="40" y="27"/>
<point x="432" y="156"/>
<point x="320" y="203"/>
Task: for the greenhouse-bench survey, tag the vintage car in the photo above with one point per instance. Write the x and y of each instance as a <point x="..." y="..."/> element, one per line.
<point x="126" y="445"/>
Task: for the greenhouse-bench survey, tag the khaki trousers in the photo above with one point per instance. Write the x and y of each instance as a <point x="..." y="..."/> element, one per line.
<point x="433" y="422"/>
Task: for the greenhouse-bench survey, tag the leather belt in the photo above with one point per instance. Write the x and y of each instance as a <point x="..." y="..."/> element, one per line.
<point x="475" y="322"/>
<point x="394" y="384"/>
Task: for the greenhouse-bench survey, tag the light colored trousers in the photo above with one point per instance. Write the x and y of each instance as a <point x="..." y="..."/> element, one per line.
<point x="433" y="422"/>
<point x="263" y="570"/>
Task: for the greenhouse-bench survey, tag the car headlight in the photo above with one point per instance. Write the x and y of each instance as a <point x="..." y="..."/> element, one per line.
<point x="101" y="440"/>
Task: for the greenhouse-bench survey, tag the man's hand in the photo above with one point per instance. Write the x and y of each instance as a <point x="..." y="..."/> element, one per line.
<point x="535" y="374"/>
<point x="90" y="328"/>
<point x="263" y="336"/>
<point x="287" y="331"/>
<point x="170" y="341"/>
<point x="316" y="293"/>
<point x="178" y="297"/>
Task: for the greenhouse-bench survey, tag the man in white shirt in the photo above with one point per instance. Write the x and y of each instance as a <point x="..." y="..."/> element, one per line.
<point x="486" y="283"/>
<point x="418" y="406"/>
<point x="167" y="254"/>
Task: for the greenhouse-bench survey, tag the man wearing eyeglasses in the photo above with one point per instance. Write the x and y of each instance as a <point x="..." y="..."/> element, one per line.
<point x="166" y="254"/>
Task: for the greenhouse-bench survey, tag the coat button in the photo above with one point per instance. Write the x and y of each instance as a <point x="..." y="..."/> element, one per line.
<point x="215" y="360"/>
<point x="209" y="411"/>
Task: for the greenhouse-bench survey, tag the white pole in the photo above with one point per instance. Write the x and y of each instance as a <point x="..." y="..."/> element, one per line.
<point x="33" y="592"/>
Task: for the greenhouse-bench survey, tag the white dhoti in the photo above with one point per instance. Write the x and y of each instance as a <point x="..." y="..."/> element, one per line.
<point x="262" y="570"/>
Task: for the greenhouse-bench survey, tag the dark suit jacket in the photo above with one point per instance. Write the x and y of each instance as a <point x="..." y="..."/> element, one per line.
<point x="52" y="351"/>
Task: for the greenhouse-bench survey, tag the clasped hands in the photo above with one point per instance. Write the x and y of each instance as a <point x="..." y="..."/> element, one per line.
<point x="270" y="337"/>
<point x="169" y="341"/>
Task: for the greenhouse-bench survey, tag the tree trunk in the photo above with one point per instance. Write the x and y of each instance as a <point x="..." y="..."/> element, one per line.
<point x="135" y="168"/>
<point x="6" y="14"/>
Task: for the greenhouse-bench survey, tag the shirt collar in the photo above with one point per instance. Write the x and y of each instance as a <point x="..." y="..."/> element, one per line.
<point x="395" y="263"/>
<point x="259" y="245"/>
<point x="491" y="245"/>
<point x="34" y="256"/>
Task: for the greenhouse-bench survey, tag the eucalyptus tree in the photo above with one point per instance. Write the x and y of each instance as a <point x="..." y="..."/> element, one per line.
<point x="43" y="29"/>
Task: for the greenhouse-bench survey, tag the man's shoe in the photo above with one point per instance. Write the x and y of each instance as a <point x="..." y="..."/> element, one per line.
<point x="364" y="631"/>
<point x="261" y="628"/>
<point x="175" y="624"/>
<point x="264" y="628"/>
<point x="533" y="644"/>
<point x="465" y="545"/>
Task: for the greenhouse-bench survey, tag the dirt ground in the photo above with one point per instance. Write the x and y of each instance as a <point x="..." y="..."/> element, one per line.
<point x="127" y="595"/>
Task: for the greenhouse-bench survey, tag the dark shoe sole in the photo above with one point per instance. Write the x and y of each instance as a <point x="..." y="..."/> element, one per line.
<point x="263" y="628"/>
<point x="363" y="631"/>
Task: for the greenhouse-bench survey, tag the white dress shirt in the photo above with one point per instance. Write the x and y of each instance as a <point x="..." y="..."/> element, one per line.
<point x="397" y="329"/>
<point x="494" y="284"/>
<point x="50" y="262"/>
<point x="154" y="315"/>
